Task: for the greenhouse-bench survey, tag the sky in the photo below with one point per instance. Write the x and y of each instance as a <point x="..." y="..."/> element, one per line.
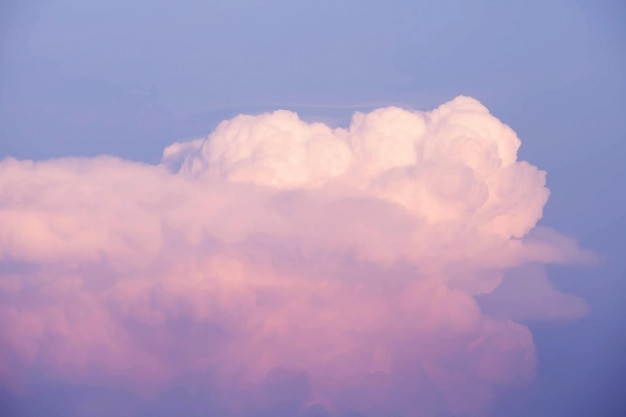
<point x="312" y="208"/>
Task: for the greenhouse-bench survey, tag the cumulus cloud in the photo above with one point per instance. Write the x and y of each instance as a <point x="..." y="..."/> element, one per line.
<point x="295" y="268"/>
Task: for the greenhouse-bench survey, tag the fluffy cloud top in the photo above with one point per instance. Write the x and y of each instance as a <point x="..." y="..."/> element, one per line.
<point x="301" y="269"/>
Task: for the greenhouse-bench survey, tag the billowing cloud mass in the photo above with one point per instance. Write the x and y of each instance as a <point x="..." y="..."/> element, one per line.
<point x="287" y="268"/>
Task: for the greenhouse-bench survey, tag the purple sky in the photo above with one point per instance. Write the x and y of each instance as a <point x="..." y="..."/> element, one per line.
<point x="130" y="78"/>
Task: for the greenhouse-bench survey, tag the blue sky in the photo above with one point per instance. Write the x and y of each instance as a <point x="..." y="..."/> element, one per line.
<point x="128" y="78"/>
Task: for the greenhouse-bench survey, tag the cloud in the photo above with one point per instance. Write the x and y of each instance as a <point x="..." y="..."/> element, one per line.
<point x="527" y="294"/>
<point x="291" y="267"/>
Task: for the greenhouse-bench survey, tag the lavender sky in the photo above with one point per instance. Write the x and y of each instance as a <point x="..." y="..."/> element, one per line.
<point x="158" y="281"/>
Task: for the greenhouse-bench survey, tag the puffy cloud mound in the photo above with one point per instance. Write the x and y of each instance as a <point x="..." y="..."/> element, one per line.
<point x="286" y="267"/>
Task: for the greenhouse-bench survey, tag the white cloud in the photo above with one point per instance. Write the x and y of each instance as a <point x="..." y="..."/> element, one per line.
<point x="349" y="255"/>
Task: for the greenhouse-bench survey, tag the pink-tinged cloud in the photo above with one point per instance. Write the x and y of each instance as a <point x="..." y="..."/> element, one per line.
<point x="287" y="262"/>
